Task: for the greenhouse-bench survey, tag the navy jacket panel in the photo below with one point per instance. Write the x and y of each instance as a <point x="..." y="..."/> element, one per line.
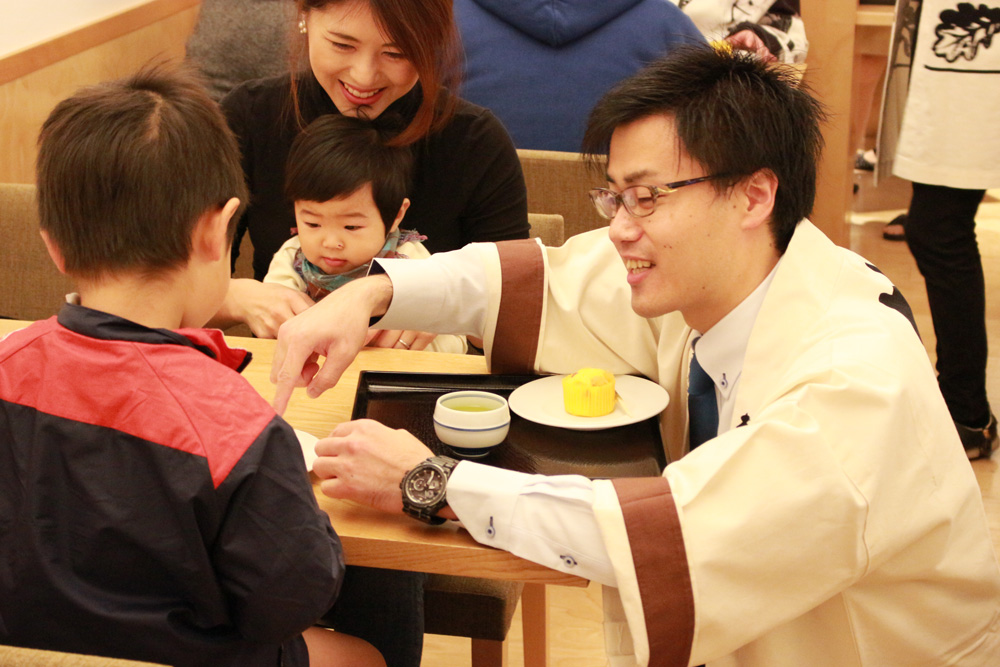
<point x="152" y="505"/>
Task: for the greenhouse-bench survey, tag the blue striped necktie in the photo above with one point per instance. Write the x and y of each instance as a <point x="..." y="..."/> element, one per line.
<point x="703" y="409"/>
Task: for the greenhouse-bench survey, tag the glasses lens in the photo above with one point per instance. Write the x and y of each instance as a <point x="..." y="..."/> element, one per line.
<point x="605" y="202"/>
<point x="639" y="200"/>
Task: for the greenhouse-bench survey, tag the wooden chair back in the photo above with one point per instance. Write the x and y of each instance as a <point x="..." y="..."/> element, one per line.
<point x="31" y="288"/>
<point x="558" y="183"/>
<point x="549" y="227"/>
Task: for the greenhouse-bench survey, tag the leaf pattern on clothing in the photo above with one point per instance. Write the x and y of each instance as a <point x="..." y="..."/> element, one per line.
<point x="743" y="10"/>
<point x="908" y="31"/>
<point x="964" y="29"/>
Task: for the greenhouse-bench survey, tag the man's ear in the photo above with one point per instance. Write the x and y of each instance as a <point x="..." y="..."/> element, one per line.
<point x="54" y="252"/>
<point x="399" y="216"/>
<point x="211" y="233"/>
<point x="759" y="190"/>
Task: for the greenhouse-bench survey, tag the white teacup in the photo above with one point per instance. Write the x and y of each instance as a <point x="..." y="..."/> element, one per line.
<point x="471" y="422"/>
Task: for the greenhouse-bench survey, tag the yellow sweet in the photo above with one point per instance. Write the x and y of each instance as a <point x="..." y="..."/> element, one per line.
<point x="590" y="392"/>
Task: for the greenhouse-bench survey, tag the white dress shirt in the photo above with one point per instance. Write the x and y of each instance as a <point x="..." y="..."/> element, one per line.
<point x="722" y="348"/>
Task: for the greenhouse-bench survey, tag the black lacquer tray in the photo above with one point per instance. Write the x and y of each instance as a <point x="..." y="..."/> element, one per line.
<point x="406" y="400"/>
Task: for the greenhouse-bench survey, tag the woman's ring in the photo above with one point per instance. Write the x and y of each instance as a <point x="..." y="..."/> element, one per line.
<point x="403" y="343"/>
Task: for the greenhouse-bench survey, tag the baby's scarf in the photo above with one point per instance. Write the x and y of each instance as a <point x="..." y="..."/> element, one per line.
<point x="319" y="284"/>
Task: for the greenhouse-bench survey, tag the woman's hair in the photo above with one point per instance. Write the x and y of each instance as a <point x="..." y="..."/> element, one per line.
<point x="425" y="32"/>
<point x="336" y="155"/>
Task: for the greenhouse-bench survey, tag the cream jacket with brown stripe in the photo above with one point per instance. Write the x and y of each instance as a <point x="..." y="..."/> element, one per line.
<point x="841" y="525"/>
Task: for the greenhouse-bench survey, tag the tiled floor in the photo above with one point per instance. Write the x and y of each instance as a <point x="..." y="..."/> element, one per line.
<point x="575" y="638"/>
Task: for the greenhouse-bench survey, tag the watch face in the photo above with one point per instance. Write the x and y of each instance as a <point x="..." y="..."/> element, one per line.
<point x="425" y="486"/>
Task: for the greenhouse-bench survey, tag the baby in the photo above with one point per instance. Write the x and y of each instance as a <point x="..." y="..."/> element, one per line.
<point x="349" y="193"/>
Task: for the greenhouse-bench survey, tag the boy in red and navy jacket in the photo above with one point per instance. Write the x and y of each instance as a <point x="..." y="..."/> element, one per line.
<point x="152" y="504"/>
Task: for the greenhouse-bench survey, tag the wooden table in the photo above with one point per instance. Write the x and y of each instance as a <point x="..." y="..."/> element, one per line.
<point x="374" y="538"/>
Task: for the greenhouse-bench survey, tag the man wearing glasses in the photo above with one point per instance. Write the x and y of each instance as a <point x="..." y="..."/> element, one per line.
<point x="818" y="509"/>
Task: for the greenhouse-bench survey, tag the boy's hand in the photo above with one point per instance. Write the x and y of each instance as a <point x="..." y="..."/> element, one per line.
<point x="336" y="327"/>
<point x="365" y="461"/>
<point x="264" y="306"/>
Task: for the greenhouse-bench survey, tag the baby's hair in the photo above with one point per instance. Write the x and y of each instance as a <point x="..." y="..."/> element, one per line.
<point x="336" y="155"/>
<point x="126" y="168"/>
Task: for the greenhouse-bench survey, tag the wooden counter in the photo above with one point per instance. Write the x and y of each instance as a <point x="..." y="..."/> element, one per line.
<point x="873" y="30"/>
<point x="875" y="15"/>
<point x="48" y="52"/>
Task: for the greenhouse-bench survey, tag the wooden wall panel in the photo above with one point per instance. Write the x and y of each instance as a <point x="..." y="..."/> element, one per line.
<point x="830" y="28"/>
<point x="26" y="101"/>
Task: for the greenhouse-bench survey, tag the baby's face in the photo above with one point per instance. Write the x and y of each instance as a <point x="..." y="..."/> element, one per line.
<point x="340" y="234"/>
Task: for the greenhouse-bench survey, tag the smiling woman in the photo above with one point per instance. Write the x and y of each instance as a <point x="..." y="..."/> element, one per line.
<point x="366" y="57"/>
<point x="392" y="62"/>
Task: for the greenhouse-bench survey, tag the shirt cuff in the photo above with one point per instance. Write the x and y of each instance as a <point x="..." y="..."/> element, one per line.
<point x="545" y="519"/>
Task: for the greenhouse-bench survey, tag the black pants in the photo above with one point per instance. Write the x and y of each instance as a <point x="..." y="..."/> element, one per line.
<point x="386" y="609"/>
<point x="940" y="230"/>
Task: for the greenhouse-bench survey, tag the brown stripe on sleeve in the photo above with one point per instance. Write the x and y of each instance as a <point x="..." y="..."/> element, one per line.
<point x="520" y="317"/>
<point x="657" y="545"/>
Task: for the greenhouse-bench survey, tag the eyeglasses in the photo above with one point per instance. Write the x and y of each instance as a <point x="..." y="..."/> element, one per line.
<point x="638" y="200"/>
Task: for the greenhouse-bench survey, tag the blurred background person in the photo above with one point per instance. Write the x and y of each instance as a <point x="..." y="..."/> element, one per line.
<point x="541" y="66"/>
<point x="771" y="28"/>
<point x="239" y="40"/>
<point x="939" y="130"/>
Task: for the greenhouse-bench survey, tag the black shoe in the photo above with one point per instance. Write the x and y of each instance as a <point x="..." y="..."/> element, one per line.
<point x="895" y="230"/>
<point x="865" y="160"/>
<point x="979" y="443"/>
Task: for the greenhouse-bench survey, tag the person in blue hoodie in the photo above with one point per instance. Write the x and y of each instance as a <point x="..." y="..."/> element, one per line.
<point x="541" y="65"/>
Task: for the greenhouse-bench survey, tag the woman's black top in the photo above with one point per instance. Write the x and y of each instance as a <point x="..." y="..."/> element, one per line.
<point x="467" y="186"/>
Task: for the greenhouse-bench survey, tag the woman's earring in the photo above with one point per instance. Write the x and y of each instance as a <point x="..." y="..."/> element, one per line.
<point x="302" y="25"/>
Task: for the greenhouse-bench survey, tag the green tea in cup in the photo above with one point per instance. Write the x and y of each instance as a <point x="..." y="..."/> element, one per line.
<point x="472" y="404"/>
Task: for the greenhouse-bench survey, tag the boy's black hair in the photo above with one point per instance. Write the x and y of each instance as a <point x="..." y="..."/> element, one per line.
<point x="734" y="115"/>
<point x="126" y="168"/>
<point x="335" y="155"/>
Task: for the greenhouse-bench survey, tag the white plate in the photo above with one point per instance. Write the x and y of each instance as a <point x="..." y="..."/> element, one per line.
<point x="541" y="401"/>
<point x="308" y="442"/>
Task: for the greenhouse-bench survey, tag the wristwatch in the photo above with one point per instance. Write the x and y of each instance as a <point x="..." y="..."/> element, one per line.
<point x="425" y="488"/>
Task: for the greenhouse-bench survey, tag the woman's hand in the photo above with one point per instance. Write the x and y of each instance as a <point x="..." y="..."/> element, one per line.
<point x="262" y="306"/>
<point x="365" y="461"/>
<point x="409" y="340"/>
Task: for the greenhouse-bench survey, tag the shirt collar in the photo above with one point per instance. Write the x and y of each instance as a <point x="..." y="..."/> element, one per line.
<point x="722" y="348"/>
<point x="104" y="326"/>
